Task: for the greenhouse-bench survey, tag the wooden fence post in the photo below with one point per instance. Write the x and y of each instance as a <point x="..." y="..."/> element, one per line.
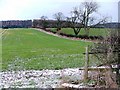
<point x="86" y="65"/>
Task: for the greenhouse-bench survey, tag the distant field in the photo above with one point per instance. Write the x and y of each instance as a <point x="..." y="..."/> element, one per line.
<point x="32" y="49"/>
<point x="92" y="31"/>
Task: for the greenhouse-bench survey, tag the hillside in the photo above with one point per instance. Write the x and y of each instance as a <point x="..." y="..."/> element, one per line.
<point x="92" y="32"/>
<point x="32" y="49"/>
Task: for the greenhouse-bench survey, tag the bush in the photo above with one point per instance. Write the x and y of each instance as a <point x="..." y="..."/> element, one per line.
<point x="79" y="36"/>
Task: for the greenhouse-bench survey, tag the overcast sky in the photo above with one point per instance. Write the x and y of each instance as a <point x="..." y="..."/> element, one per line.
<point x="34" y="9"/>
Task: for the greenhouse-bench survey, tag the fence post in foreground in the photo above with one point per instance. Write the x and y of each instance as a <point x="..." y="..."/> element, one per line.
<point x="86" y="65"/>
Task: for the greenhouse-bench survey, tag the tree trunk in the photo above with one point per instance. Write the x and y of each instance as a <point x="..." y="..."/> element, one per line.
<point x="76" y="31"/>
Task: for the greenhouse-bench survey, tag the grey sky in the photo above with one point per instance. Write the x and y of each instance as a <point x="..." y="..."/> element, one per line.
<point x="34" y="9"/>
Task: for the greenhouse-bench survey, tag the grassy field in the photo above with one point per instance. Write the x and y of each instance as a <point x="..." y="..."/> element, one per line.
<point x="92" y="31"/>
<point x="32" y="49"/>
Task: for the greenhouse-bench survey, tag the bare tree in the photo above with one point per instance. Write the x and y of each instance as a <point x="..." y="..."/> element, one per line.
<point x="59" y="18"/>
<point x="76" y="21"/>
<point x="83" y="17"/>
<point x="108" y="52"/>
<point x="89" y="8"/>
<point x="43" y="21"/>
<point x="68" y="22"/>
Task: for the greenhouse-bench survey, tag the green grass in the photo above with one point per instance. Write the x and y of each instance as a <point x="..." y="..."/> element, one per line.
<point x="32" y="49"/>
<point x="92" y="31"/>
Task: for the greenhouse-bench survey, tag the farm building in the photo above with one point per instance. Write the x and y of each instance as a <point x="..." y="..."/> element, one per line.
<point x="38" y="23"/>
<point x="16" y="24"/>
<point x="48" y="23"/>
<point x="108" y="25"/>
